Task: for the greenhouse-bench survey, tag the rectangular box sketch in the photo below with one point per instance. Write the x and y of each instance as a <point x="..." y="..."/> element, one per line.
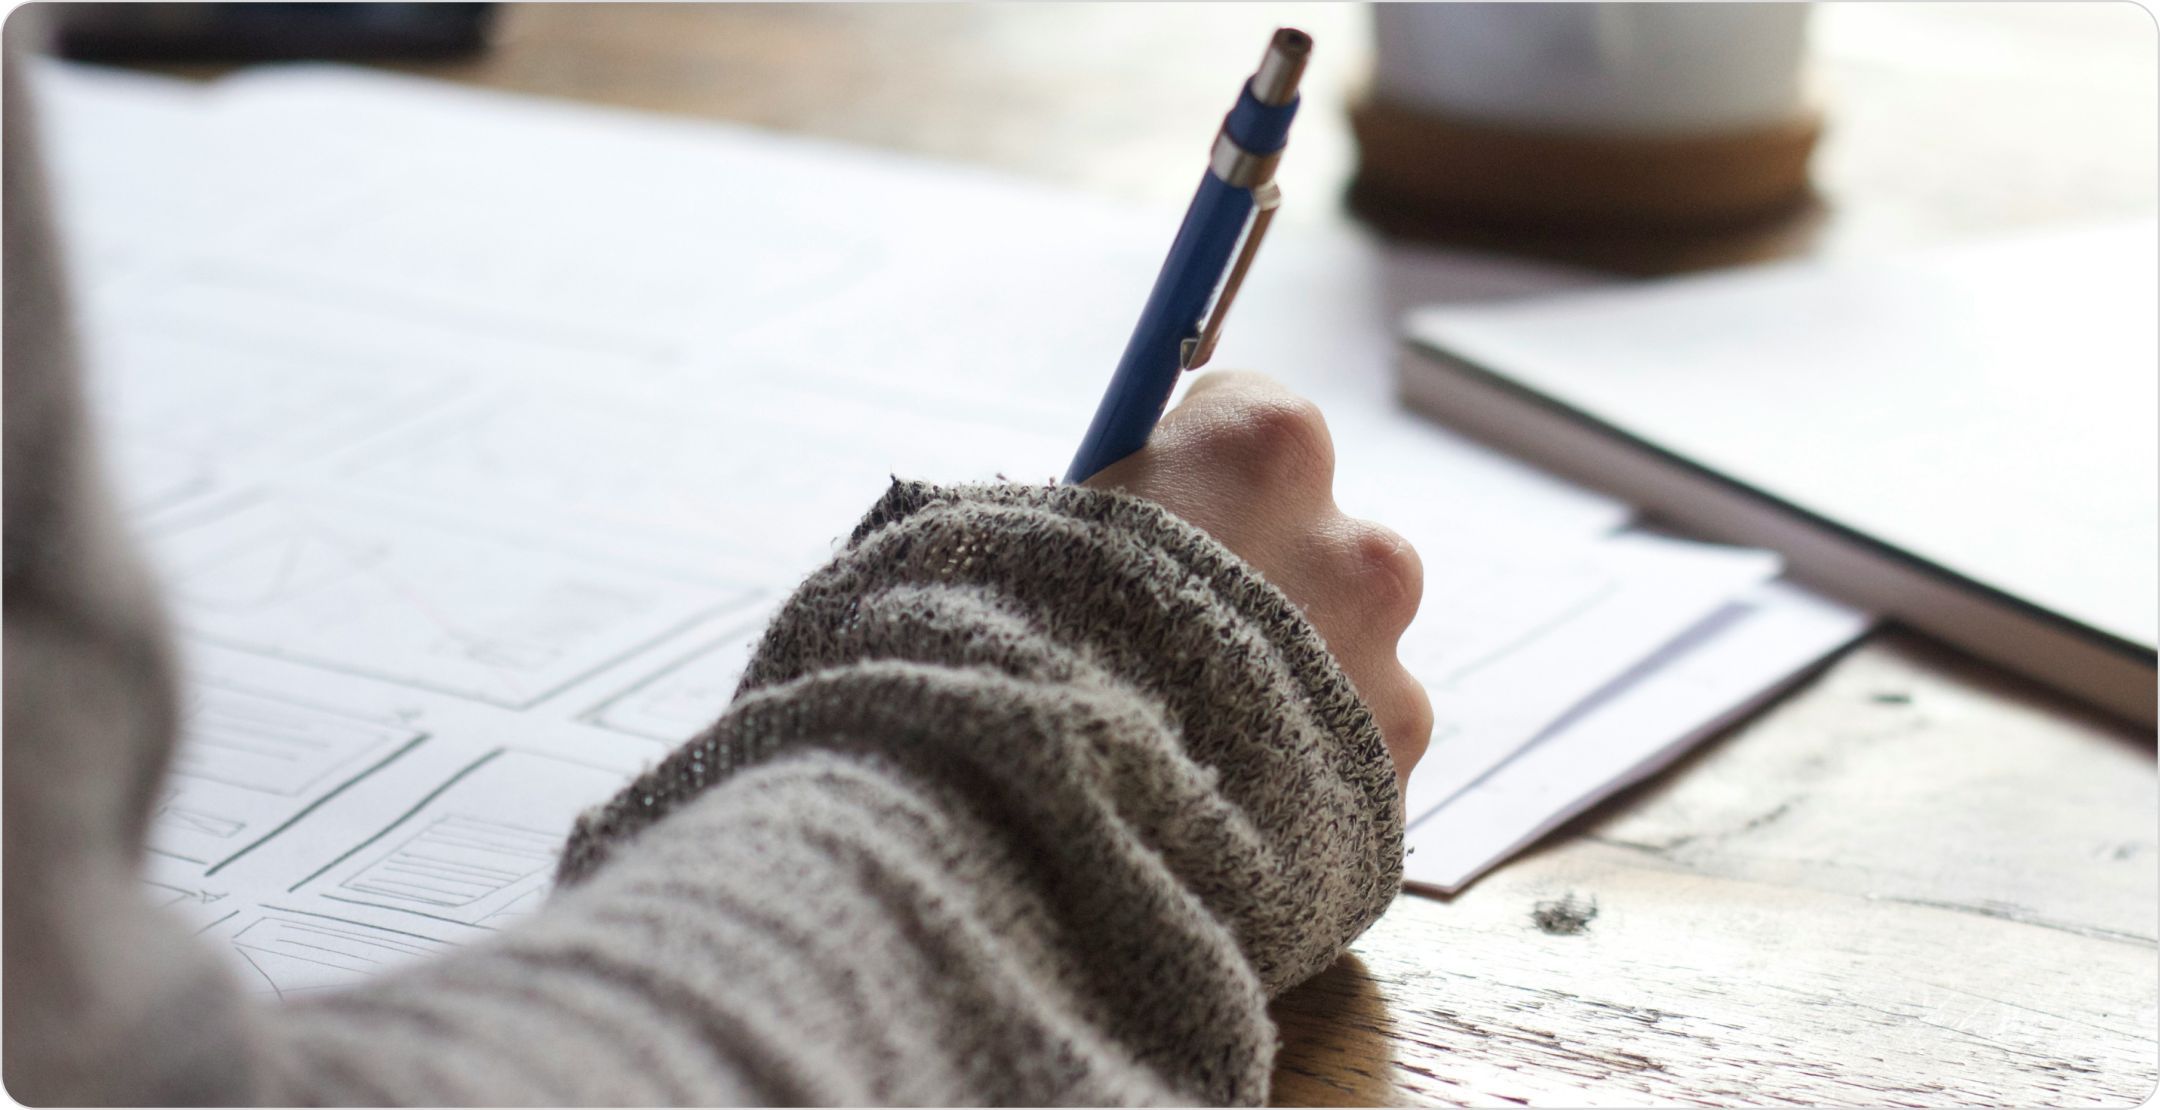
<point x="268" y="746"/>
<point x="674" y="704"/>
<point x="502" y="621"/>
<point x="478" y="850"/>
<point x="740" y="482"/>
<point x="287" y="953"/>
<point x="457" y="860"/>
<point x="200" y="908"/>
<point x="247" y="765"/>
<point x="236" y="397"/>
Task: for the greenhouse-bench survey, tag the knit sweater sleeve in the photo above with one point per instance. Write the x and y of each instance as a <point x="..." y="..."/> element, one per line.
<point x="1032" y="795"/>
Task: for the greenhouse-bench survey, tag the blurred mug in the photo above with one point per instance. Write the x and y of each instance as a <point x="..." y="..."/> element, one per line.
<point x="1678" y="116"/>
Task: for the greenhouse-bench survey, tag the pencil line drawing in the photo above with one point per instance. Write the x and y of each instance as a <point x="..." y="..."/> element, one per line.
<point x="318" y="803"/>
<point x="271" y="747"/>
<point x="250" y="766"/>
<point x="431" y="795"/>
<point x="457" y="860"/>
<point x="200" y="907"/>
<point x="688" y="694"/>
<point x="166" y="894"/>
<point x="523" y="905"/>
<point x="151" y="378"/>
<point x="291" y="954"/>
<point x="493" y="619"/>
<point x="174" y="815"/>
<point x="639" y="468"/>
<point x="150" y="478"/>
<point x="478" y="850"/>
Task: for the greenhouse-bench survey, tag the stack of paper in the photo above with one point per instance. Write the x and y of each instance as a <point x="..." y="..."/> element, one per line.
<point x="475" y="438"/>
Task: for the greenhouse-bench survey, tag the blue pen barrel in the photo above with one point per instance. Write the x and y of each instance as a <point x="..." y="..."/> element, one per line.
<point x="1260" y="128"/>
<point x="1241" y="161"/>
<point x="1148" y="372"/>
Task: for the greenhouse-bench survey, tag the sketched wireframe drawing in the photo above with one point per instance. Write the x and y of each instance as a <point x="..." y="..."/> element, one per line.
<point x="478" y="850"/>
<point x="270" y="746"/>
<point x="359" y="591"/>
<point x="688" y="694"/>
<point x="281" y="395"/>
<point x="247" y="766"/>
<point x="457" y="860"/>
<point x="166" y="894"/>
<point x="183" y="819"/>
<point x="294" y="954"/>
<point x="200" y="907"/>
<point x="639" y="469"/>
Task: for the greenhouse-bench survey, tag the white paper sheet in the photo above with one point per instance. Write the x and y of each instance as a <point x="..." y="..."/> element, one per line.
<point x="475" y="438"/>
<point x="1511" y="647"/>
<point x="1675" y="699"/>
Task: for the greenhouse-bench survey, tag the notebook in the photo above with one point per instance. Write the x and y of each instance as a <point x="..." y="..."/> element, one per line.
<point x="1963" y="439"/>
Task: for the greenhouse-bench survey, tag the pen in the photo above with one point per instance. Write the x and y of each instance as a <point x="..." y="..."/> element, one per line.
<point x="1229" y="215"/>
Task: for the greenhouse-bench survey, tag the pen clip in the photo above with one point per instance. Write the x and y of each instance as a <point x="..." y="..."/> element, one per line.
<point x="1194" y="353"/>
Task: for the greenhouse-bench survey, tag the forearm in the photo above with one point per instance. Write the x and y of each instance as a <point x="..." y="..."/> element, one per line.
<point x="823" y="931"/>
<point x="1035" y="796"/>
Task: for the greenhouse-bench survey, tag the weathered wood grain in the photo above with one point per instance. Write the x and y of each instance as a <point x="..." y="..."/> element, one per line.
<point x="1913" y="882"/>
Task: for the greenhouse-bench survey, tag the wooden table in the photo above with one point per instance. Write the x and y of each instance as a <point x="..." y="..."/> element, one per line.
<point x="1913" y="880"/>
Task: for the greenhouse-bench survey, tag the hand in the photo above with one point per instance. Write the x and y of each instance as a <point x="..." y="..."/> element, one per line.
<point x="1251" y="464"/>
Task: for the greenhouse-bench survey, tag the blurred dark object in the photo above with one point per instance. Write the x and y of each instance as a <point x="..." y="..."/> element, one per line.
<point x="267" y="32"/>
<point x="1638" y="204"/>
<point x="1642" y="137"/>
<point x="1581" y="181"/>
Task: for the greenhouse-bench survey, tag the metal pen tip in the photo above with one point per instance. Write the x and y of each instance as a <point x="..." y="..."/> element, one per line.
<point x="1276" y="81"/>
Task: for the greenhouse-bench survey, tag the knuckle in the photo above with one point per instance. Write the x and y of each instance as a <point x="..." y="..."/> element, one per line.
<point x="1409" y="730"/>
<point x="1290" y="423"/>
<point x="1389" y="574"/>
<point x="1283" y="441"/>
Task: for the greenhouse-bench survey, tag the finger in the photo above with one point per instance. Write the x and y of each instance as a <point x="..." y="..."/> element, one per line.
<point x="1406" y="721"/>
<point x="1361" y="583"/>
<point x="1219" y="394"/>
<point x="1253" y="432"/>
<point x="1212" y="380"/>
<point x="1384" y="576"/>
<point x="1208" y="409"/>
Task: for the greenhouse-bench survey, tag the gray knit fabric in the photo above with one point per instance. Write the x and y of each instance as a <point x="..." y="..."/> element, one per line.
<point x="1032" y="795"/>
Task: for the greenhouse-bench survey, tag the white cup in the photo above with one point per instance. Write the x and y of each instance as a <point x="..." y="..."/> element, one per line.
<point x="1611" y="69"/>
